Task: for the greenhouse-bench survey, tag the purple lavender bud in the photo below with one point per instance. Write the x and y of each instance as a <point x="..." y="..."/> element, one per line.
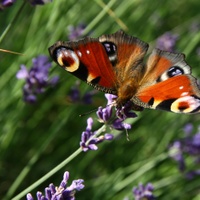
<point x="118" y="124"/>
<point x="192" y="174"/>
<point x="39" y="2"/>
<point x="22" y="73"/>
<point x="167" y="41"/>
<point x="188" y="129"/>
<point x="52" y="188"/>
<point x="75" y="95"/>
<point x="48" y="193"/>
<point x="29" y="197"/>
<point x="6" y="3"/>
<point x="39" y="195"/>
<point x="144" y="192"/>
<point x="76" y="32"/>
<point x="187" y="147"/>
<point x="175" y="152"/>
<point x="87" y="97"/>
<point x="104" y="114"/>
<point x="125" y="111"/>
<point x="62" y="192"/>
<point x="37" y="78"/>
<point x="110" y="99"/>
<point x="108" y="136"/>
<point x="76" y="185"/>
<point x="89" y="143"/>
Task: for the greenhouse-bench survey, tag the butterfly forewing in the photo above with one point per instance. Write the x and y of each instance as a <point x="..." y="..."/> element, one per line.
<point x="86" y="59"/>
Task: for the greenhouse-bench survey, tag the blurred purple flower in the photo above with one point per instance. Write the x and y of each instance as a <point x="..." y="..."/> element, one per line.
<point x="38" y="2"/>
<point x="190" y="146"/>
<point x="188" y="129"/>
<point x="191" y="174"/>
<point x="88" y="139"/>
<point x="167" y="42"/>
<point x="6" y="3"/>
<point x="62" y="192"/>
<point x="37" y="79"/>
<point x="175" y="152"/>
<point x="76" y="31"/>
<point x="144" y="192"/>
<point x="75" y="95"/>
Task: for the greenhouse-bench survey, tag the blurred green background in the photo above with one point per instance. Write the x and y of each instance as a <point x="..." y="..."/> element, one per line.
<point x="49" y="131"/>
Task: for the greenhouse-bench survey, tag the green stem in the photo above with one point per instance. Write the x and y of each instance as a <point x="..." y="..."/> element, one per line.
<point x="12" y="22"/>
<point x="57" y="168"/>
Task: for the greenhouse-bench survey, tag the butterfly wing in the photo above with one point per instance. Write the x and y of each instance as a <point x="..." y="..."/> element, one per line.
<point x="103" y="62"/>
<point x="87" y="60"/>
<point x="168" y="85"/>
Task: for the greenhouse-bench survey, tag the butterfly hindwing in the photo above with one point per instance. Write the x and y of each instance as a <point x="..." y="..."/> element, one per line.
<point x="177" y="94"/>
<point x="168" y="85"/>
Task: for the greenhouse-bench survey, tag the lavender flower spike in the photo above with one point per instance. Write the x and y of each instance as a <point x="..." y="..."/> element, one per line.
<point x="60" y="193"/>
<point x="188" y="147"/>
<point x="144" y="192"/>
<point x="76" y="32"/>
<point x="105" y="115"/>
<point x="167" y="41"/>
<point x="76" y="97"/>
<point x="88" y="141"/>
<point x="37" y="79"/>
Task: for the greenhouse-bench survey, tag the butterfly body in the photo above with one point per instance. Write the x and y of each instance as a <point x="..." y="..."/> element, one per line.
<point x="114" y="64"/>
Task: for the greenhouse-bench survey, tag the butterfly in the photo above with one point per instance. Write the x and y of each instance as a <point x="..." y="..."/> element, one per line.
<point x="114" y="64"/>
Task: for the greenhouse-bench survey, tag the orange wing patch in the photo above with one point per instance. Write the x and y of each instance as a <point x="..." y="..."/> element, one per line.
<point x="177" y="94"/>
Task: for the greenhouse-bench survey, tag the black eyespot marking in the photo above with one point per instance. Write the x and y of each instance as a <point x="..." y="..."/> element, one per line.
<point x="158" y="79"/>
<point x="197" y="108"/>
<point x="67" y="59"/>
<point x="165" y="105"/>
<point x="96" y="80"/>
<point x="183" y="106"/>
<point x="175" y="71"/>
<point x="151" y="101"/>
<point x="111" y="50"/>
<point x="110" y="47"/>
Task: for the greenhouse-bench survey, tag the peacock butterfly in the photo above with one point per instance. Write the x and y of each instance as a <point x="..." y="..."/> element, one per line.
<point x="114" y="64"/>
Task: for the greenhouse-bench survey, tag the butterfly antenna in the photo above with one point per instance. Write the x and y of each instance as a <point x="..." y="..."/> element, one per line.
<point x="89" y="112"/>
<point x="94" y="110"/>
<point x="12" y="52"/>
